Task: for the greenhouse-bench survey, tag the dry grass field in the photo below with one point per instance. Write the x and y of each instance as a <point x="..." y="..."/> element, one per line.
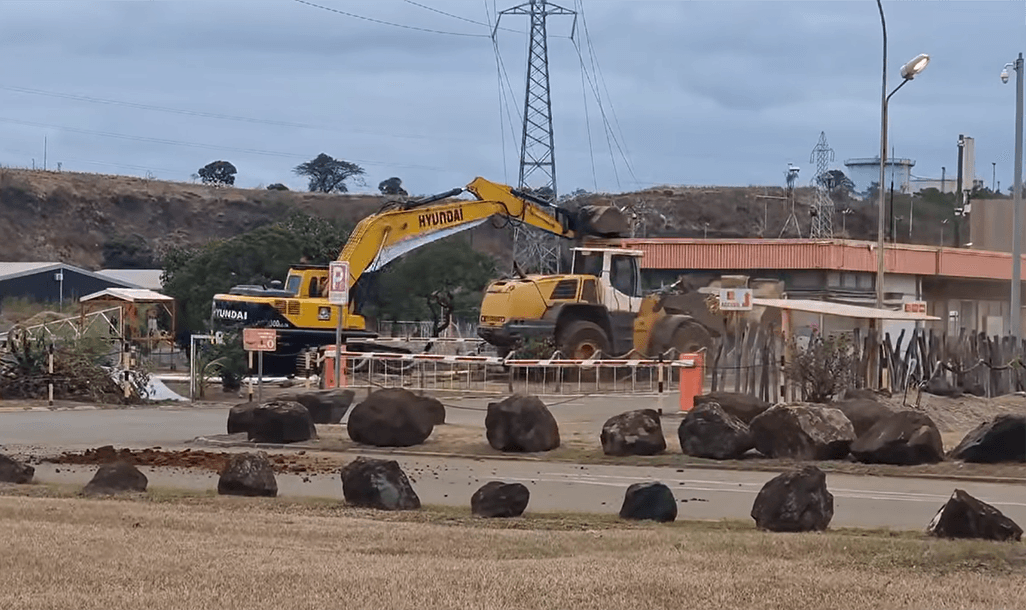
<point x="165" y="551"/>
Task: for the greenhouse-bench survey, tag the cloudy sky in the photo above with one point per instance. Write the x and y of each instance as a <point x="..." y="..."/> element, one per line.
<point x="695" y="92"/>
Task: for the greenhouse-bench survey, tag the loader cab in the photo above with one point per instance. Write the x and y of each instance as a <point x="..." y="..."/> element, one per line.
<point x="619" y="272"/>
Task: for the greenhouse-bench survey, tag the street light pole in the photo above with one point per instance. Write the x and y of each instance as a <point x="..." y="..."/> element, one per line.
<point x="883" y="164"/>
<point x="909" y="71"/>
<point x="1015" y="307"/>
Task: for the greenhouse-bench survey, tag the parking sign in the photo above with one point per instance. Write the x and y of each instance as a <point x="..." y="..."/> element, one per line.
<point x="338" y="282"/>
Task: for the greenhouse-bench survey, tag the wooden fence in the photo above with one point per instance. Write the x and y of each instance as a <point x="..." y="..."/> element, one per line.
<point x="752" y="360"/>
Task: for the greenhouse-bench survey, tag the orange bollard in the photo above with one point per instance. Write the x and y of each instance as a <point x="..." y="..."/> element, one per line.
<point x="328" y="369"/>
<point x="691" y="380"/>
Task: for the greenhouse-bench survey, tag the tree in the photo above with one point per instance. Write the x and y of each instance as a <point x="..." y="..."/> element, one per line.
<point x="823" y="368"/>
<point x="835" y="181"/>
<point x="392" y="186"/>
<point x="277" y="186"/>
<point x="329" y="175"/>
<point x="218" y="172"/>
<point x="194" y="275"/>
<point x="450" y="271"/>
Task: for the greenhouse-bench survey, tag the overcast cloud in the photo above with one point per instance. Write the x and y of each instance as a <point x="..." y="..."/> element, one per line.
<point x="705" y="93"/>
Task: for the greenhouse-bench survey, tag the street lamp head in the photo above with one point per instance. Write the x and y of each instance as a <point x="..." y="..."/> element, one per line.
<point x="915" y="65"/>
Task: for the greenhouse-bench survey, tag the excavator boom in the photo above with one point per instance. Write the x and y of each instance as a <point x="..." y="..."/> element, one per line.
<point x="381" y="238"/>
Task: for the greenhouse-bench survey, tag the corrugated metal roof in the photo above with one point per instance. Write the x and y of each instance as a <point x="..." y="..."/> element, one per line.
<point x="838" y="309"/>
<point x="143" y="278"/>
<point x="840" y="255"/>
<point x="132" y="295"/>
<point x="7" y="269"/>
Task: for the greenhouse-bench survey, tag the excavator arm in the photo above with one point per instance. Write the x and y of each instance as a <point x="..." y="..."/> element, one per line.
<point x="381" y="238"/>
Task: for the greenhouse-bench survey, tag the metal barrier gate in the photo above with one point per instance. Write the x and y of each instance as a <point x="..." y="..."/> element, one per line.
<point x="493" y="375"/>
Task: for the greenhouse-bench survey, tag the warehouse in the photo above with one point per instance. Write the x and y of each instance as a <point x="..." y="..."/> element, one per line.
<point x="52" y="282"/>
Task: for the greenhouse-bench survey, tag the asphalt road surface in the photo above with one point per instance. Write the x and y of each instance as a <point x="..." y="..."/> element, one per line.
<point x="702" y="493"/>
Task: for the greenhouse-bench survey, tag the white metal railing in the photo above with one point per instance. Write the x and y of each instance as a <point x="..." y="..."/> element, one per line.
<point x="71" y="327"/>
<point x="493" y="375"/>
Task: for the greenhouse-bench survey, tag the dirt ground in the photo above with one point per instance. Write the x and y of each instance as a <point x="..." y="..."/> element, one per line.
<point x="163" y="551"/>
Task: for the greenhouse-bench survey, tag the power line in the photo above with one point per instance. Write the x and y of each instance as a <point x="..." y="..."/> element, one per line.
<point x="214" y="115"/>
<point x="605" y="87"/>
<point x="397" y="25"/>
<point x="602" y="112"/>
<point x="587" y="127"/>
<point x="440" y="12"/>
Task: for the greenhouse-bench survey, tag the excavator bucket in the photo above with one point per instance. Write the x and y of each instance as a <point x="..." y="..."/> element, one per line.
<point x="602" y="221"/>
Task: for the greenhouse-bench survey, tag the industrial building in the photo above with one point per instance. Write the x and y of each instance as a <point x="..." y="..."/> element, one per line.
<point x="964" y="288"/>
<point x="53" y="282"/>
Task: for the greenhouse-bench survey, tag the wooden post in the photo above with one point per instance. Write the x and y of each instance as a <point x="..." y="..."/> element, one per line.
<point x="249" y="354"/>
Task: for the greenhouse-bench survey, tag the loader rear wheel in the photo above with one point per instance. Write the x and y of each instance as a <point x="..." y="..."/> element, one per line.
<point x="581" y="340"/>
<point x="690" y="338"/>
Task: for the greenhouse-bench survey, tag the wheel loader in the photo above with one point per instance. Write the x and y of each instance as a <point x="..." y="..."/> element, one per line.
<point x="598" y="310"/>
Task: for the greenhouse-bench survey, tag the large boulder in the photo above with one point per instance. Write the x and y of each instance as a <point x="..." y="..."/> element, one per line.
<point x="652" y="501"/>
<point x="240" y="417"/>
<point x="745" y="407"/>
<point x="281" y="422"/>
<point x="963" y="516"/>
<point x="1002" y="439"/>
<point x="325" y="406"/>
<point x="864" y="394"/>
<point x="498" y="499"/>
<point x="13" y="471"/>
<point x="803" y="432"/>
<point x="707" y="431"/>
<point x="521" y="423"/>
<point x="795" y="501"/>
<point x="633" y="433"/>
<point x="863" y="413"/>
<point x="114" y="478"/>
<point x="380" y="484"/>
<point x="905" y="438"/>
<point x="393" y="417"/>
<point x="602" y="221"/>
<point x="248" y="474"/>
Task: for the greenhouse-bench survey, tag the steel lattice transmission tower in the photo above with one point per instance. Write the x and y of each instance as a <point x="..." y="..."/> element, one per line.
<point x="532" y="249"/>
<point x="822" y="207"/>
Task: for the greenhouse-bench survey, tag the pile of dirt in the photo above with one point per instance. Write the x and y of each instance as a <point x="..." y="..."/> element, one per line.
<point x="961" y="414"/>
<point x="190" y="459"/>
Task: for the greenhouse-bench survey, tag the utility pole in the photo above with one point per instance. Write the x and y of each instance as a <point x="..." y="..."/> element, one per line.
<point x="959" y="195"/>
<point x="943" y="171"/>
<point x="532" y="250"/>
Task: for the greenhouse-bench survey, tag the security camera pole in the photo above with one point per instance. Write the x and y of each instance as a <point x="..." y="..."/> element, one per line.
<point x="1015" y="309"/>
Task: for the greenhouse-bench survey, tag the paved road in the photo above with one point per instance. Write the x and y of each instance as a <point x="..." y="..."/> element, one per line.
<point x="900" y="503"/>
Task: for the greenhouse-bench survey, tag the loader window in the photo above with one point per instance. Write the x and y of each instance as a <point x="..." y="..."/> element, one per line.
<point x="588" y="263"/>
<point x="624" y="275"/>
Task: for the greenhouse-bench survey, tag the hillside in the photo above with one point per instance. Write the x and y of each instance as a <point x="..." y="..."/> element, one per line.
<point x="71" y="217"/>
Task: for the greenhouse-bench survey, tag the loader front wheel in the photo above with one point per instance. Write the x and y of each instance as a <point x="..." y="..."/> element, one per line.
<point x="690" y="338"/>
<point x="581" y="340"/>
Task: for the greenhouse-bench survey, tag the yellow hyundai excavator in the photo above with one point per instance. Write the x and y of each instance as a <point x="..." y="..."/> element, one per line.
<point x="300" y="308"/>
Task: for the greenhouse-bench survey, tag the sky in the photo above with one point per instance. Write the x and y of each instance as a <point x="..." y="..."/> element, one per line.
<point x="712" y="92"/>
